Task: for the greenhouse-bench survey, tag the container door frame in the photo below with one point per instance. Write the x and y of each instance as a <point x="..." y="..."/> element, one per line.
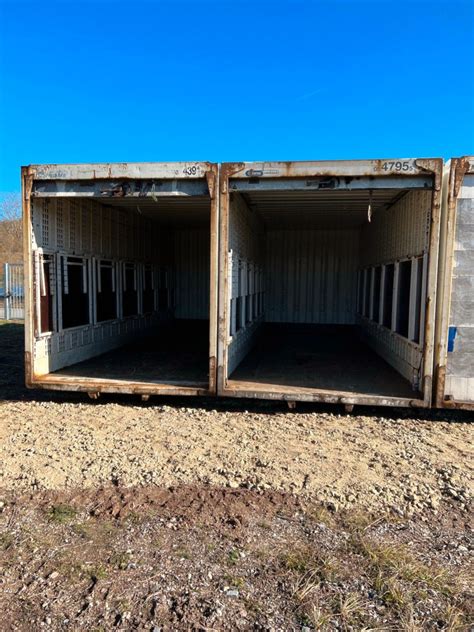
<point x="113" y="171"/>
<point x="342" y="169"/>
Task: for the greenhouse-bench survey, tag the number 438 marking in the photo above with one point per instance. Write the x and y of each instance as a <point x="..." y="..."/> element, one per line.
<point x="398" y="165"/>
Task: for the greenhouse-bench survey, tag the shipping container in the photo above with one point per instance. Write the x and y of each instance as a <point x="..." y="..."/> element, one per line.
<point x="121" y="277"/>
<point x="454" y="355"/>
<point x="328" y="280"/>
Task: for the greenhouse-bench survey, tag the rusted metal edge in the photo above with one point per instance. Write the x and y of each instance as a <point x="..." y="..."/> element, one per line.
<point x="452" y="404"/>
<point x="223" y="280"/>
<point x="212" y="182"/>
<point x="435" y="167"/>
<point x="85" y="385"/>
<point x="462" y="166"/>
<point x="26" y="187"/>
<point x="308" y="396"/>
<point x="458" y="169"/>
<point x="351" y="168"/>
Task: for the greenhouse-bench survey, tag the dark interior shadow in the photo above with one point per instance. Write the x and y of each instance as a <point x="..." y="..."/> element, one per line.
<point x="12" y="388"/>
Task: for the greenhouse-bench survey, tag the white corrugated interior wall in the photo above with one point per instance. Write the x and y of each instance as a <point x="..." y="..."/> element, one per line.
<point x="191" y="273"/>
<point x="86" y="228"/>
<point x="311" y="276"/>
<point x="246" y="247"/>
<point x="398" y="233"/>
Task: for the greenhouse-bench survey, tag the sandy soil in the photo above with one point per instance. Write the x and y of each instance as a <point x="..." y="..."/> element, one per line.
<point x="403" y="464"/>
<point x="402" y="460"/>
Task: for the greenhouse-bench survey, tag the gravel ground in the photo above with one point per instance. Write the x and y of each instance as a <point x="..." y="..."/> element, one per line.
<point x="223" y="514"/>
<point x="202" y="558"/>
<point x="376" y="462"/>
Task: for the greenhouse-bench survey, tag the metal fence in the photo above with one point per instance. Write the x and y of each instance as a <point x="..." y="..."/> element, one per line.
<point x="12" y="296"/>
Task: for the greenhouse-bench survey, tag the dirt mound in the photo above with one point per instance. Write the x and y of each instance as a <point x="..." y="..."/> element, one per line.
<point x="205" y="506"/>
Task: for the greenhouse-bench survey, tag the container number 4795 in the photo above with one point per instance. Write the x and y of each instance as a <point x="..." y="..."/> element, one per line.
<point x="398" y="165"/>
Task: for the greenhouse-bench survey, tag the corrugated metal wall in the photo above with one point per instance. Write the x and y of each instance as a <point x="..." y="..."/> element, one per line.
<point x="86" y="228"/>
<point x="400" y="232"/>
<point x="246" y="246"/>
<point x="459" y="379"/>
<point x="192" y="270"/>
<point x="311" y="276"/>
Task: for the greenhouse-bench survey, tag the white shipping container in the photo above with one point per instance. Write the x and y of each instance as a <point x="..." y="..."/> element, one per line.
<point x="121" y="277"/>
<point x="347" y="256"/>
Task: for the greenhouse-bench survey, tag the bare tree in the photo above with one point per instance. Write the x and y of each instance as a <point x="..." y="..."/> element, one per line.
<point x="10" y="227"/>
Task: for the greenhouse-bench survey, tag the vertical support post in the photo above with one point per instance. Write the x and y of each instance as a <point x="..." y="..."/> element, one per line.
<point x="412" y="315"/>
<point x="7" y="291"/>
<point x="38" y="259"/>
<point x="395" y="297"/>
<point x="59" y="285"/>
<point x="92" y="288"/>
<point x="424" y="281"/>
<point x="382" y="294"/>
<point x="371" y="291"/>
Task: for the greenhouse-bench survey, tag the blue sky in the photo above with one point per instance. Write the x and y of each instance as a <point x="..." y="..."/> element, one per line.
<point x="233" y="80"/>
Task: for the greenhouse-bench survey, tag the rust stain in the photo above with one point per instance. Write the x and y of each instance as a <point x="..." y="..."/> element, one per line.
<point x="28" y="370"/>
<point x="211" y="178"/>
<point x="62" y="383"/>
<point x="461" y="167"/>
<point x="440" y="373"/>
<point x="212" y="374"/>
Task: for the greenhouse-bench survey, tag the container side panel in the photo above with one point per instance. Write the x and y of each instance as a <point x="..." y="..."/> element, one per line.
<point x="192" y="273"/>
<point x="83" y="233"/>
<point x="246" y="296"/>
<point x="312" y="276"/>
<point x="398" y="234"/>
<point x="460" y="349"/>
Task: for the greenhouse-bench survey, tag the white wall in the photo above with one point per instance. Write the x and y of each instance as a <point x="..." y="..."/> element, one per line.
<point x="311" y="276"/>
<point x="246" y="248"/>
<point x="399" y="233"/>
<point x="89" y="229"/>
<point x="192" y="273"/>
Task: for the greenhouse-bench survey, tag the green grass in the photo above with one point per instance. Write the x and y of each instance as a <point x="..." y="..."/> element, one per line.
<point x="233" y="557"/>
<point x="6" y="541"/>
<point x="62" y="513"/>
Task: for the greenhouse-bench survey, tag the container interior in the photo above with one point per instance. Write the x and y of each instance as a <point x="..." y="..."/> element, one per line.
<point x="326" y="290"/>
<point x="122" y="289"/>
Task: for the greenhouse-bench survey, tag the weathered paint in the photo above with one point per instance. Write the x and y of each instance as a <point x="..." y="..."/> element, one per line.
<point x="348" y="170"/>
<point x="454" y="358"/>
<point x="125" y="170"/>
<point x="124" y="181"/>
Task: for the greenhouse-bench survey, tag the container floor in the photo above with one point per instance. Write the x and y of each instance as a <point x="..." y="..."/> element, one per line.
<point x="323" y="357"/>
<point x="177" y="354"/>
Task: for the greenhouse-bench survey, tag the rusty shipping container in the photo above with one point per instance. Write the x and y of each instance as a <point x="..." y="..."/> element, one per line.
<point x="121" y="277"/>
<point x="328" y="280"/>
<point x="454" y="352"/>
